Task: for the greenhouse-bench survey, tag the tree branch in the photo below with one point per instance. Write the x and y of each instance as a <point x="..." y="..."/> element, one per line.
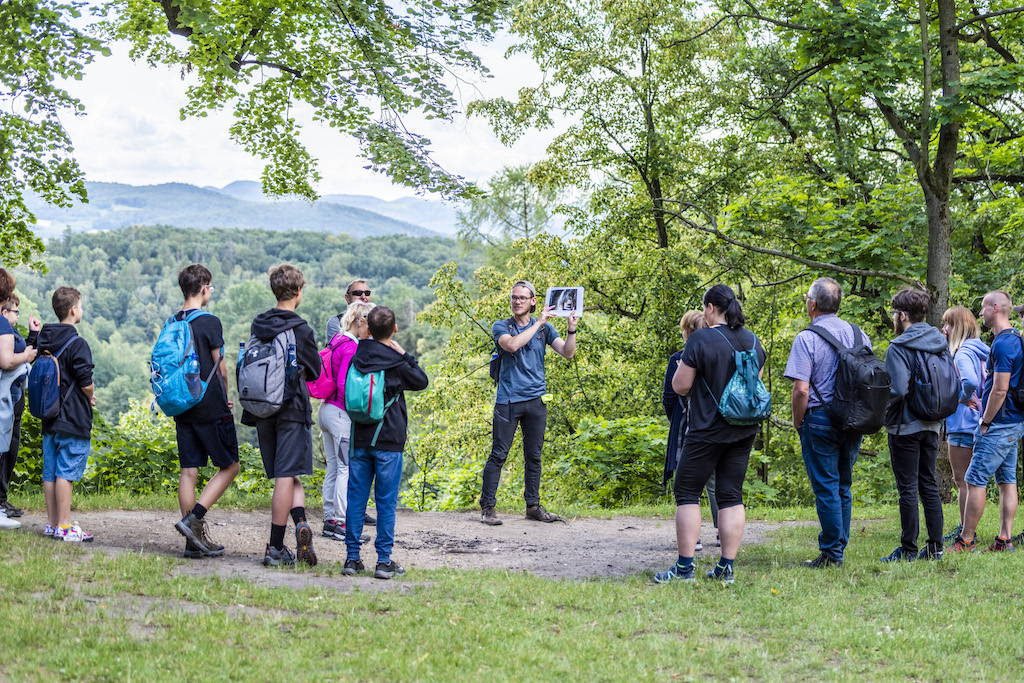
<point x="295" y="72"/>
<point x="982" y="17"/>
<point x="989" y="177"/>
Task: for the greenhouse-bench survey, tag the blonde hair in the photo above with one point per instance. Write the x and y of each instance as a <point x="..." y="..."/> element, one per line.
<point x="963" y="325"/>
<point x="355" y="311"/>
<point x="691" y="322"/>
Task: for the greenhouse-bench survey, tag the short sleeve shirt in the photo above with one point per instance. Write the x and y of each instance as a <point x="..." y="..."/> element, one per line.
<point x="6" y="328"/>
<point x="1006" y="356"/>
<point x="709" y="351"/>
<point x="207" y="335"/>
<point x="813" y="360"/>
<point x="522" y="373"/>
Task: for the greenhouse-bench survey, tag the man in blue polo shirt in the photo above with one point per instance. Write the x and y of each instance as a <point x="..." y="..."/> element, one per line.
<point x="1002" y="425"/>
<point x="522" y="340"/>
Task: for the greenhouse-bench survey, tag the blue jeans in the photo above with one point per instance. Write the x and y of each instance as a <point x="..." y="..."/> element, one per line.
<point x="829" y="456"/>
<point x="995" y="453"/>
<point x="383" y="469"/>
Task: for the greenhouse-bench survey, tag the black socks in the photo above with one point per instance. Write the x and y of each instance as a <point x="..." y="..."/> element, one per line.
<point x="199" y="511"/>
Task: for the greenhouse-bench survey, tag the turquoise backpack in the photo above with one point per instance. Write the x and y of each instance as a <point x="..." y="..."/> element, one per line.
<point x="364" y="398"/>
<point x="745" y="400"/>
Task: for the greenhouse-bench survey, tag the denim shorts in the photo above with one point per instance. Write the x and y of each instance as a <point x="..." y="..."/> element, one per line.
<point x="960" y="439"/>
<point x="64" y="456"/>
<point x="995" y="453"/>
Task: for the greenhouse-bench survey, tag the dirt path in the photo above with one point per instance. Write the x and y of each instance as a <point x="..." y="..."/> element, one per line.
<point x="584" y="548"/>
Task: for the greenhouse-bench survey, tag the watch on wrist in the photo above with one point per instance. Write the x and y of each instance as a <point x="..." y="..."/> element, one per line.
<point x="570" y="332"/>
<point x="986" y="424"/>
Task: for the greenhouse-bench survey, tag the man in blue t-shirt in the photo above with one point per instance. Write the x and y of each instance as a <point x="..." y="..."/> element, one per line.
<point x="521" y="386"/>
<point x="1002" y="425"/>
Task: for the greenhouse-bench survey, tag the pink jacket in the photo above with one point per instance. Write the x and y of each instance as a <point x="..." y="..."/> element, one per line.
<point x="340" y="360"/>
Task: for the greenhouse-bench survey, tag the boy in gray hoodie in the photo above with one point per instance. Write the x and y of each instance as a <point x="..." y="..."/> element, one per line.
<point x="913" y="442"/>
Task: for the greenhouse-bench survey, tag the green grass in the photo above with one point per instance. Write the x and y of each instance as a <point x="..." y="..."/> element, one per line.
<point x="69" y="614"/>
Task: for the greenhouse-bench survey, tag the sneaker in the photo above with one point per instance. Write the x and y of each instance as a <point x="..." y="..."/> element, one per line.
<point x="960" y="546"/>
<point x="73" y="534"/>
<point x="724" y="574"/>
<point x="191" y="527"/>
<point x="900" y="554"/>
<point x="822" y="561"/>
<point x="12" y="511"/>
<point x="488" y="517"/>
<point x="1001" y="545"/>
<point x="538" y="514"/>
<point x="951" y="536"/>
<point x="718" y="541"/>
<point x="213" y="549"/>
<point x="353" y="567"/>
<point x="386" y="570"/>
<point x="304" y="544"/>
<point x="676" y="573"/>
<point x="699" y="546"/>
<point x="370" y="520"/>
<point x="276" y="558"/>
<point x="930" y="553"/>
<point x="8" y="523"/>
<point x="48" y="530"/>
<point x="334" y="530"/>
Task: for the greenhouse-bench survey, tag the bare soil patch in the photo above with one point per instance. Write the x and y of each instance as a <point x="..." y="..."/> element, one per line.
<point x="584" y="548"/>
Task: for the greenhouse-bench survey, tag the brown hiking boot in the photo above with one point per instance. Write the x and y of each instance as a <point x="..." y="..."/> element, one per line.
<point x="213" y="549"/>
<point x="488" y="517"/>
<point x="539" y="514"/>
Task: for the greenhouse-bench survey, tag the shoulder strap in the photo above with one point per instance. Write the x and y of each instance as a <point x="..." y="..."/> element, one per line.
<point x="715" y="328"/>
<point x="195" y="314"/>
<point x="66" y="345"/>
<point x="827" y="336"/>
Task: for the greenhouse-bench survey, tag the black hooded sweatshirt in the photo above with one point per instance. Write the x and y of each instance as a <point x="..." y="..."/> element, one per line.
<point x="265" y="327"/>
<point x="75" y="416"/>
<point x="400" y="373"/>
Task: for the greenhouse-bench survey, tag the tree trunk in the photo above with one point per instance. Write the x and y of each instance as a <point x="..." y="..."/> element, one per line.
<point x="940" y="253"/>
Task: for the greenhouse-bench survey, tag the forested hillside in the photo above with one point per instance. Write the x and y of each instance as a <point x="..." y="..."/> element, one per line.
<point x="128" y="279"/>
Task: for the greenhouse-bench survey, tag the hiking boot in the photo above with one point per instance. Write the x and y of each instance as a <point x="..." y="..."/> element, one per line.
<point x="724" y="574"/>
<point x="1001" y="545"/>
<point x="191" y="527"/>
<point x="676" y="573"/>
<point x="900" y="554"/>
<point x="192" y="551"/>
<point x="960" y="546"/>
<point x="488" y="517"/>
<point x="951" y="536"/>
<point x="353" y="567"/>
<point x="538" y="514"/>
<point x="12" y="511"/>
<point x="8" y="523"/>
<point x="304" y="544"/>
<point x="386" y="570"/>
<point x="334" y="530"/>
<point x="73" y="534"/>
<point x="822" y="561"/>
<point x="930" y="553"/>
<point x="277" y="558"/>
<point x="213" y="549"/>
<point x="370" y="520"/>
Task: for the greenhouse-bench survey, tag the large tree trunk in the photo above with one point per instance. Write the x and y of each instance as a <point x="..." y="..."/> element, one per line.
<point x="940" y="253"/>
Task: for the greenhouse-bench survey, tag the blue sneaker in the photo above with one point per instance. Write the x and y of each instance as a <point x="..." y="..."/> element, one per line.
<point x="676" y="573"/>
<point x="724" y="574"/>
<point x="898" y="555"/>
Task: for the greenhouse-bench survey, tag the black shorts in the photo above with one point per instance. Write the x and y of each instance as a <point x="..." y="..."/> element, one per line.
<point x="285" y="446"/>
<point x="728" y="462"/>
<point x="199" y="442"/>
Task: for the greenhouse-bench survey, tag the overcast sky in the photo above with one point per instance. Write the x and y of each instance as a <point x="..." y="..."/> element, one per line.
<point x="132" y="134"/>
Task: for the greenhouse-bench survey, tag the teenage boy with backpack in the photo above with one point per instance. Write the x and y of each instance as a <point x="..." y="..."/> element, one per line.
<point x="829" y="452"/>
<point x="66" y="437"/>
<point x="914" y="437"/>
<point x="206" y="431"/>
<point x="285" y="437"/>
<point x="376" y="456"/>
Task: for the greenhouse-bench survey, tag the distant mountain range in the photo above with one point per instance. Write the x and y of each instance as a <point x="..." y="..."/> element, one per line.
<point x="242" y="205"/>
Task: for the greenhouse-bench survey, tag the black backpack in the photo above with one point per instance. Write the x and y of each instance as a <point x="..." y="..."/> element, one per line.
<point x="934" y="386"/>
<point x="497" y="352"/>
<point x="862" y="386"/>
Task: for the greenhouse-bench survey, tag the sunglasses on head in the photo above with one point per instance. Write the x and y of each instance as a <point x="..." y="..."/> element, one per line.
<point x="359" y="292"/>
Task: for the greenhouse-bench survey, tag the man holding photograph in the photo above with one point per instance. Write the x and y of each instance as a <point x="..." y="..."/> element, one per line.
<point x="522" y="341"/>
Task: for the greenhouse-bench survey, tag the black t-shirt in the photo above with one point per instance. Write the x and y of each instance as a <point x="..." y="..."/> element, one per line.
<point x="708" y="352"/>
<point x="207" y="335"/>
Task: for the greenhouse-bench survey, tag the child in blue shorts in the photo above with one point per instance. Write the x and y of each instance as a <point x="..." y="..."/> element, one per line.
<point x="67" y="437"/>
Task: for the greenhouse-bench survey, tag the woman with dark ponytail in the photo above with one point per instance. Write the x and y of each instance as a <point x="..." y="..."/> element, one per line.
<point x="712" y="445"/>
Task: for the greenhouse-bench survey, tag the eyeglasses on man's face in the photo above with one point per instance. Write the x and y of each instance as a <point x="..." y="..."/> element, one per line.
<point x="15" y="311"/>
<point x="516" y="299"/>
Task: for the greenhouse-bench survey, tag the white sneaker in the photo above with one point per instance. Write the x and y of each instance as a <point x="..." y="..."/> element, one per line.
<point x="73" y="534"/>
<point x="8" y="523"/>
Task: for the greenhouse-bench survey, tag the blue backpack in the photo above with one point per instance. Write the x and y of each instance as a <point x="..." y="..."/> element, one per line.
<point x="44" y="394"/>
<point x="745" y="400"/>
<point x="174" y="367"/>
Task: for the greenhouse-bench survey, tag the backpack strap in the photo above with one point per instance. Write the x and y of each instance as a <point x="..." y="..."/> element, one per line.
<point x="753" y="346"/>
<point x="380" y="425"/>
<point x="198" y="313"/>
<point x="66" y="345"/>
<point x="834" y="343"/>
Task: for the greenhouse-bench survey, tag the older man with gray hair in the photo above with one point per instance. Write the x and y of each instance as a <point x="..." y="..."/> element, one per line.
<point x="522" y="341"/>
<point x="829" y="454"/>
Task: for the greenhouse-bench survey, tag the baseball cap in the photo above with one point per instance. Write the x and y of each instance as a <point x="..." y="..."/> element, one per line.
<point x="1019" y="309"/>
<point x="528" y="285"/>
